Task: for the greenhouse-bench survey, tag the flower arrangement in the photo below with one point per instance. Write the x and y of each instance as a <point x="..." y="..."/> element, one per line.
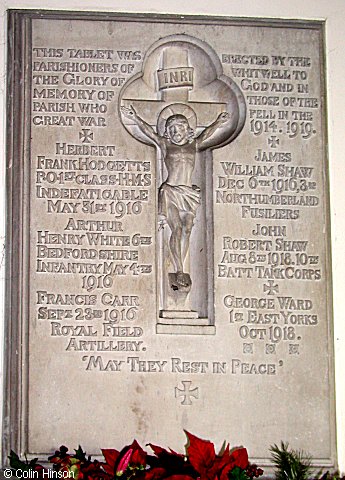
<point x="200" y="462"/>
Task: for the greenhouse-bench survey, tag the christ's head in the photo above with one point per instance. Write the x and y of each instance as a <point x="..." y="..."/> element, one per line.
<point x="178" y="130"/>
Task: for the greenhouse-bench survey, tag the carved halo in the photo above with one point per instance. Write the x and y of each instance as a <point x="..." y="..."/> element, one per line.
<point x="176" y="109"/>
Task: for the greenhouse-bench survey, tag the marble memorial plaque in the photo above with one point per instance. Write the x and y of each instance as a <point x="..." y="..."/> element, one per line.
<point x="170" y="233"/>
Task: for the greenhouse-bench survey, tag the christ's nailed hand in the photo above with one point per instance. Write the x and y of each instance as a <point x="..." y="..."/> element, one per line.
<point x="128" y="112"/>
<point x="224" y="117"/>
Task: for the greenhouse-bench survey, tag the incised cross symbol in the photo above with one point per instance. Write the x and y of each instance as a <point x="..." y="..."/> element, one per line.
<point x="86" y="135"/>
<point x="187" y="392"/>
<point x="273" y="141"/>
<point x="270" y="288"/>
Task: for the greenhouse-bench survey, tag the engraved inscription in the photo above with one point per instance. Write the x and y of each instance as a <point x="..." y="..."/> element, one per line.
<point x="97" y="194"/>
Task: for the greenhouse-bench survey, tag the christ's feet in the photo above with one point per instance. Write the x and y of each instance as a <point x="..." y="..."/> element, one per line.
<point x="183" y="279"/>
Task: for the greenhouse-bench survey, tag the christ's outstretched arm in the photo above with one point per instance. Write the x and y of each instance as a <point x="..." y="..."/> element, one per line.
<point x="131" y="114"/>
<point x="202" y="143"/>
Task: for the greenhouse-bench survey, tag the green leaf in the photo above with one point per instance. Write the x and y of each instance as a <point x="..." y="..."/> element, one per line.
<point x="237" y="473"/>
<point x="18" y="464"/>
<point x="79" y="454"/>
<point x="290" y="464"/>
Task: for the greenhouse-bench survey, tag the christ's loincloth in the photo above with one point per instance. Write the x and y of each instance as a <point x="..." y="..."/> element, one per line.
<point x="184" y="198"/>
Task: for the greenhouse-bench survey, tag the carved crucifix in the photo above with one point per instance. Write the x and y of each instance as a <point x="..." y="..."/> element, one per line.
<point x="184" y="106"/>
<point x="178" y="197"/>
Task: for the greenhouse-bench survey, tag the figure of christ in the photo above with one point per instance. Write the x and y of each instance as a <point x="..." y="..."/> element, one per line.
<point x="178" y="198"/>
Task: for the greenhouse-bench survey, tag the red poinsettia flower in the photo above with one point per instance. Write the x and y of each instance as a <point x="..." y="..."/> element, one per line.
<point x="64" y="462"/>
<point x="133" y="463"/>
<point x="237" y="458"/>
<point x="111" y="457"/>
<point x="138" y="456"/>
<point x="124" y="462"/>
<point x="162" y="452"/>
<point x="240" y="457"/>
<point x="169" y="464"/>
<point x="179" y="477"/>
<point x="70" y="465"/>
<point x="132" y="456"/>
<point x="202" y="456"/>
<point x="94" y="470"/>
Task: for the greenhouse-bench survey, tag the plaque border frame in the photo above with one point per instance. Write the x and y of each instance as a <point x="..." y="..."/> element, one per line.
<point x="16" y="371"/>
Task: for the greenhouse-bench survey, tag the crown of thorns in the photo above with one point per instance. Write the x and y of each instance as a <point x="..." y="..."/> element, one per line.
<point x="176" y="117"/>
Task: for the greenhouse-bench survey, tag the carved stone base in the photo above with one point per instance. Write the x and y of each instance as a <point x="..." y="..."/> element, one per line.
<point x="186" y="329"/>
<point x="179" y="314"/>
<point x="183" y="322"/>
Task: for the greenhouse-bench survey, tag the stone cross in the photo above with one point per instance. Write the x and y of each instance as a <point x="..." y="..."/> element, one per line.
<point x="182" y="91"/>
<point x="187" y="392"/>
